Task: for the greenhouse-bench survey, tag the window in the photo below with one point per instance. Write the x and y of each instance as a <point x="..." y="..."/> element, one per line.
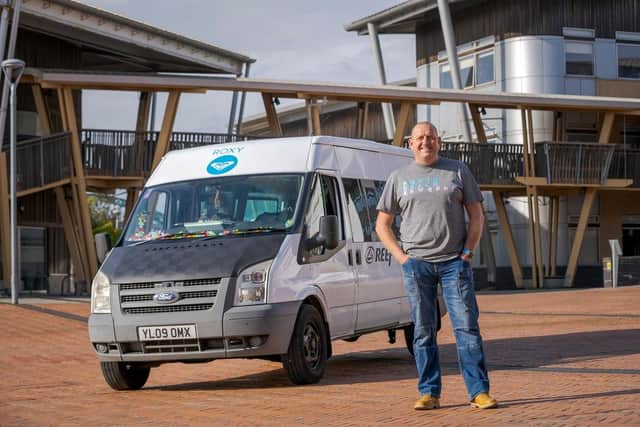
<point x="475" y="70"/>
<point x="216" y="207"/>
<point x="629" y="61"/>
<point x="484" y="68"/>
<point x="371" y="198"/>
<point x="356" y="209"/>
<point x="324" y="201"/>
<point x="579" y="58"/>
<point x="466" y="71"/>
<point x="445" y="77"/>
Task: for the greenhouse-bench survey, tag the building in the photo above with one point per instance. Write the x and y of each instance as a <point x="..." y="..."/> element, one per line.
<point x="56" y="167"/>
<point x="574" y="47"/>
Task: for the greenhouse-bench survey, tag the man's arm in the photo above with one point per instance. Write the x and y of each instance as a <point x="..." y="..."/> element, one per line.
<point x="388" y="239"/>
<point x="476" y="222"/>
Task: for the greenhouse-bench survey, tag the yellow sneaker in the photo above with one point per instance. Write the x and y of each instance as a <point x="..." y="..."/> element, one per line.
<point x="427" y="402"/>
<point x="484" y="401"/>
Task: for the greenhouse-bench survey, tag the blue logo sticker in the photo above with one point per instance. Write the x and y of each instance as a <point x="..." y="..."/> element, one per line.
<point x="222" y="164"/>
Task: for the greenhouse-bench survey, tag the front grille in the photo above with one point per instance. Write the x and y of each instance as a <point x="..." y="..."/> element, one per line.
<point x="183" y="295"/>
<point x="166" y="309"/>
<point x="175" y="284"/>
<point x="194" y="295"/>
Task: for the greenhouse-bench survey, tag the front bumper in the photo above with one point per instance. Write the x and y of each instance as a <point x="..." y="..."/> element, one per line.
<point x="245" y="331"/>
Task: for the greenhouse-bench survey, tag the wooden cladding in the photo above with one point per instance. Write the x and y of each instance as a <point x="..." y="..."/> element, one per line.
<point x="508" y="18"/>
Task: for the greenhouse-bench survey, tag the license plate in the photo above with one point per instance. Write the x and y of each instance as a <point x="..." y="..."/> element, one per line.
<point x="175" y="332"/>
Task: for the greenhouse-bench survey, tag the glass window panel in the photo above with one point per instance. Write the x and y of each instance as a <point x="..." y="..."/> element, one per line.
<point x="216" y="207"/>
<point x="579" y="58"/>
<point x="466" y="71"/>
<point x="371" y="198"/>
<point x="445" y="77"/>
<point x="484" y="70"/>
<point x="331" y="198"/>
<point x="629" y="61"/>
<point x="315" y="210"/>
<point x="356" y="210"/>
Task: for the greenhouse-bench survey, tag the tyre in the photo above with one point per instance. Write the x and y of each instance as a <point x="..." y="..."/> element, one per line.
<point x="305" y="360"/>
<point x="408" y="337"/>
<point x="408" y="331"/>
<point x="124" y="376"/>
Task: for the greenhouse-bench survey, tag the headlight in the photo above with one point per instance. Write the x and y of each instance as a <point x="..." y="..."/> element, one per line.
<point x="100" y="301"/>
<point x="251" y="286"/>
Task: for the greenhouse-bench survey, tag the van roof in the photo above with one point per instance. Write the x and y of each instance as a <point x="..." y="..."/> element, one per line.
<point x="255" y="156"/>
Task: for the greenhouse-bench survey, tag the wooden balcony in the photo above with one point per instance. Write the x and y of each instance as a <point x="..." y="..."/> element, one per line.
<point x="109" y="155"/>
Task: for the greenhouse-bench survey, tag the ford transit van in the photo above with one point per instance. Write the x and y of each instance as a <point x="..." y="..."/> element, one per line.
<point x="250" y="249"/>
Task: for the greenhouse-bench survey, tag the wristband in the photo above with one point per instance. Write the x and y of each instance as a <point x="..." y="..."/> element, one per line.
<point x="467" y="252"/>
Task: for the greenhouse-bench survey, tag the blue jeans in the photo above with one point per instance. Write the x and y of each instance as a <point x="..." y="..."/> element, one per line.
<point x="421" y="283"/>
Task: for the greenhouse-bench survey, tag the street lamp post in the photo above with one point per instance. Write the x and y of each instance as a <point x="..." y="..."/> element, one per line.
<point x="12" y="69"/>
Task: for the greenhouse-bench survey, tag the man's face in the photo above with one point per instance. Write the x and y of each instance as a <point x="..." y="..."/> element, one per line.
<point x="425" y="144"/>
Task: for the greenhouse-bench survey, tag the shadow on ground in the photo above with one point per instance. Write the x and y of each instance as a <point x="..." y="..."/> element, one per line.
<point x="392" y="364"/>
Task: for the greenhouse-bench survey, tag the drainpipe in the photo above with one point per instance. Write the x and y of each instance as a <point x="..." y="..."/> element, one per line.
<point x="454" y="65"/>
<point x="10" y="54"/>
<point x="387" y="109"/>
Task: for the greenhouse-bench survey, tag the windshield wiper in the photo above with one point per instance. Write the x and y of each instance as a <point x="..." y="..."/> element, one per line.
<point x="260" y="229"/>
<point x="172" y="236"/>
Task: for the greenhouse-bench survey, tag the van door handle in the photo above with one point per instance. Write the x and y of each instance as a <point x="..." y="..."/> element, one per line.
<point x="358" y="257"/>
<point x="350" y="257"/>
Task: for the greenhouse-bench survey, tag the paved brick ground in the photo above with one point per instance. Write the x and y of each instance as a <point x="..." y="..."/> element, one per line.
<point x="556" y="358"/>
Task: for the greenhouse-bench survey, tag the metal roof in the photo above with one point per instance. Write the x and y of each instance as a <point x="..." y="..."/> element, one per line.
<point x="330" y="91"/>
<point x="110" y="41"/>
<point x="402" y="18"/>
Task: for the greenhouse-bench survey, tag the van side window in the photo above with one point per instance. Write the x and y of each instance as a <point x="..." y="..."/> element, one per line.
<point x="324" y="201"/>
<point x="372" y="196"/>
<point x="357" y="210"/>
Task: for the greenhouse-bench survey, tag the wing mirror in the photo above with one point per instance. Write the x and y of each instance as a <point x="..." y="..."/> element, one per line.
<point x="103" y="245"/>
<point x="327" y="236"/>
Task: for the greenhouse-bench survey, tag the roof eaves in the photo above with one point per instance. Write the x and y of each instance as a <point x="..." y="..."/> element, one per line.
<point x="388" y="18"/>
<point x="406" y="10"/>
<point x="29" y="7"/>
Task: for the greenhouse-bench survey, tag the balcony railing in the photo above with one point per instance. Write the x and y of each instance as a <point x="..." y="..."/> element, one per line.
<point x="116" y="152"/>
<point x="625" y="164"/>
<point x="490" y="164"/>
<point x="573" y="163"/>
<point x="42" y="161"/>
<point x="130" y="153"/>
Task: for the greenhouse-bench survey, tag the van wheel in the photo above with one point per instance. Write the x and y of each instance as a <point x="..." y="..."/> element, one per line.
<point x="305" y="360"/>
<point x="408" y="337"/>
<point x="124" y="376"/>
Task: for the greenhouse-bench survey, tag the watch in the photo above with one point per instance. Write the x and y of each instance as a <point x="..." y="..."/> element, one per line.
<point x="467" y="252"/>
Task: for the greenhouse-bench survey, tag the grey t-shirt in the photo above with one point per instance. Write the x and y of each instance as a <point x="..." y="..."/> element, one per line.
<point x="430" y="200"/>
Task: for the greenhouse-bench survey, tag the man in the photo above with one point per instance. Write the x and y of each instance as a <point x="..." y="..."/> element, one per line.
<point x="431" y="195"/>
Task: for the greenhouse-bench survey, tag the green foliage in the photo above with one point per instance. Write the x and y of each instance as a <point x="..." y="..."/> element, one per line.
<point x="105" y="215"/>
<point x="108" y="227"/>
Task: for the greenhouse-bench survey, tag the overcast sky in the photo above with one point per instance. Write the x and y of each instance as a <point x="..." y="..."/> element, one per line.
<point x="290" y="40"/>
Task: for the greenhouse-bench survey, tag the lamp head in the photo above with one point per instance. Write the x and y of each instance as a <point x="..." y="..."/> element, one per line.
<point x="12" y="69"/>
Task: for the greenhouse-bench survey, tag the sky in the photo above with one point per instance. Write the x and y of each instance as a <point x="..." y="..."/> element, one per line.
<point x="300" y="40"/>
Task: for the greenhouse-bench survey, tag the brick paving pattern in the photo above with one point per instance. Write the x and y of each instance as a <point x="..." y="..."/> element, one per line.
<point x="556" y="358"/>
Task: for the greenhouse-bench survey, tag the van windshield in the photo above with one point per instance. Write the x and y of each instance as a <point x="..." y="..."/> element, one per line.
<point x="216" y="207"/>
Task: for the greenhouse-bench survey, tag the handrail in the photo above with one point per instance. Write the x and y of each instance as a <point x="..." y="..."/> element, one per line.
<point x="42" y="161"/>
<point x="574" y="162"/>
<point x="490" y="164"/>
